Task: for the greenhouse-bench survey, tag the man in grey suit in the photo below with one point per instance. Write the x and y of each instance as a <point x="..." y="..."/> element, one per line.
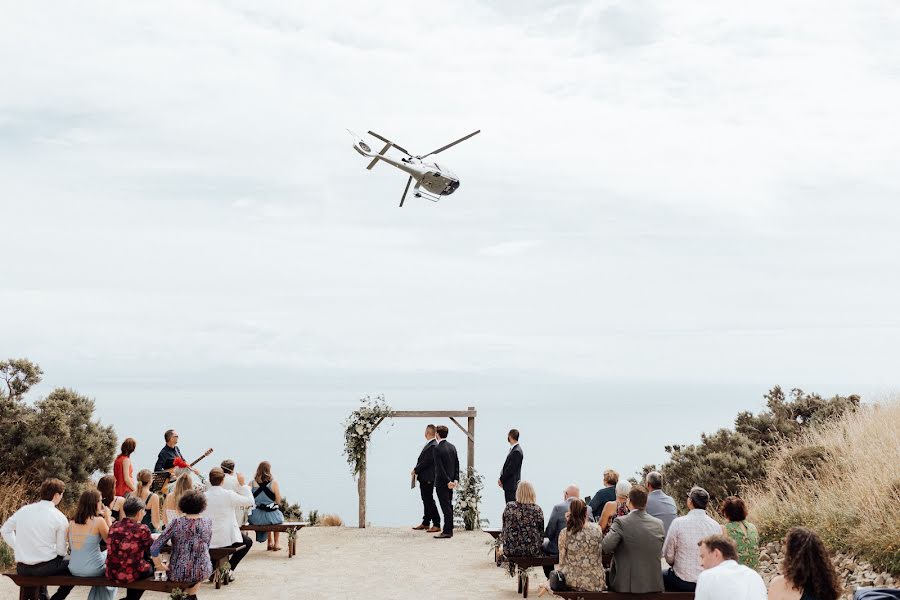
<point x="557" y="522"/>
<point x="659" y="504"/>
<point x="636" y="542"/>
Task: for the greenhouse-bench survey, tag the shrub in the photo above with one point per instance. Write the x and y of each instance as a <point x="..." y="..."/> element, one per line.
<point x="330" y="521"/>
<point x="290" y="511"/>
<point x="841" y="479"/>
<point x="14" y="494"/>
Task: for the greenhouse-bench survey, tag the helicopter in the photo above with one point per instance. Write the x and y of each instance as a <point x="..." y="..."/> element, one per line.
<point x="432" y="180"/>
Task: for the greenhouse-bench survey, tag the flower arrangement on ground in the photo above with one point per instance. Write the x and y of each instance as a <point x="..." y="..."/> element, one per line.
<point x="468" y="499"/>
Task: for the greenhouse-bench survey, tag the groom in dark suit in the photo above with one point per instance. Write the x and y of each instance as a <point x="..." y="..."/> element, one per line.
<point x="446" y="477"/>
<point x="512" y="468"/>
<point x="424" y="472"/>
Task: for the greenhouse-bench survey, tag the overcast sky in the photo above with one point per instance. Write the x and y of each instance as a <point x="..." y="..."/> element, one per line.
<point x="703" y="192"/>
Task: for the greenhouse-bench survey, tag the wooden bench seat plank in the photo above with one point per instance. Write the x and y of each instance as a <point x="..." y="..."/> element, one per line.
<point x="623" y="596"/>
<point x="289" y="527"/>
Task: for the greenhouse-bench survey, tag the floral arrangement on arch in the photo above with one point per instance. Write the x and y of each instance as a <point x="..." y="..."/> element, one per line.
<point x="359" y="427"/>
<point x="468" y="500"/>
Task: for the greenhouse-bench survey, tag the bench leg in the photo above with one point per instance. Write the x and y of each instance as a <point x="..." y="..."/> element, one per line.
<point x="525" y="586"/>
<point x="520" y="579"/>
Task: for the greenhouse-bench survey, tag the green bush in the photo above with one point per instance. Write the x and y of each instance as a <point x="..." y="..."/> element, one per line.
<point x="6" y="556"/>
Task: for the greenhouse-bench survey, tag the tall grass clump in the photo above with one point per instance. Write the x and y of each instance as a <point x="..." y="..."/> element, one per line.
<point x="841" y="479"/>
<point x="13" y="495"/>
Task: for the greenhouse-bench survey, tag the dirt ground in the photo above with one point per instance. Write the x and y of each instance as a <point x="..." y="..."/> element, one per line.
<point x="376" y="563"/>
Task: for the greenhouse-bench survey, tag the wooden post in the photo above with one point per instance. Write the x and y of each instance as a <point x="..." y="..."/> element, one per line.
<point x="470" y="454"/>
<point x="361" y="489"/>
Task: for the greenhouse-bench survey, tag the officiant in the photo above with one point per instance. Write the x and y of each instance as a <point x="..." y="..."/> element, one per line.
<point x="424" y="472"/>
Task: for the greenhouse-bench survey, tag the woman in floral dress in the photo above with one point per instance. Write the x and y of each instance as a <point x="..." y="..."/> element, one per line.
<point x="190" y="536"/>
<point x="523" y="524"/>
<point x="580" y="566"/>
<point x="742" y="531"/>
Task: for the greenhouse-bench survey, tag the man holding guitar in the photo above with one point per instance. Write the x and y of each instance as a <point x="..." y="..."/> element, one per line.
<point x="166" y="459"/>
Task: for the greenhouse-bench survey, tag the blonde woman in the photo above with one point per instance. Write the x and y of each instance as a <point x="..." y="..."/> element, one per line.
<point x="523" y="524"/>
<point x="618" y="508"/>
<point x="183" y="484"/>
<point x="151" y="501"/>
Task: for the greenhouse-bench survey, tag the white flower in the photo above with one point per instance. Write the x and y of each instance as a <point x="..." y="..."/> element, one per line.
<point x="359" y="429"/>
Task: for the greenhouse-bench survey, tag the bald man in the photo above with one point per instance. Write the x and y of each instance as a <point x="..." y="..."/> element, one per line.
<point x="557" y="520"/>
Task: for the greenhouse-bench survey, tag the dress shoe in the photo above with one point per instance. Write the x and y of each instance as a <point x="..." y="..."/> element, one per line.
<point x="443" y="536"/>
<point x="420" y="527"/>
<point x="433" y="530"/>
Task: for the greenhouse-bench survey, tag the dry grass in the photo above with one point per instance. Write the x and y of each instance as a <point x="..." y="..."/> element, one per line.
<point x="13" y="495"/>
<point x="330" y="521"/>
<point x="842" y="480"/>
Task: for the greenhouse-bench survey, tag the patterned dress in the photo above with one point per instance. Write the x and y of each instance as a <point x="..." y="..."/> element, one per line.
<point x="746" y="537"/>
<point x="190" y="538"/>
<point x="580" y="559"/>
<point x="127" y="544"/>
<point x="523" y="530"/>
<point x="621" y="511"/>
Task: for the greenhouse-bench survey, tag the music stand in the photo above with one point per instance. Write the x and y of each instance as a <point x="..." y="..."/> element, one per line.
<point x="159" y="481"/>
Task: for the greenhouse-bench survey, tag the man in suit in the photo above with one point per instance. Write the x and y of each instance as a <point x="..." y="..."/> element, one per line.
<point x="446" y="477"/>
<point x="659" y="504"/>
<point x="605" y="494"/>
<point x="636" y="542"/>
<point x="557" y="522"/>
<point x="512" y="468"/>
<point x="424" y="472"/>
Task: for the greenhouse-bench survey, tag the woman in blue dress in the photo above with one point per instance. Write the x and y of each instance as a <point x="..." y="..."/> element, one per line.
<point x="90" y="525"/>
<point x="266" y="512"/>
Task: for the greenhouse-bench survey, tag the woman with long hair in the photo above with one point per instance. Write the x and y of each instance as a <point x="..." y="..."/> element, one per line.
<point x="107" y="488"/>
<point x="171" y="510"/>
<point x="807" y="572"/>
<point x="267" y="496"/>
<point x="151" y="501"/>
<point x="87" y="529"/>
<point x="123" y="469"/>
<point x="580" y="561"/>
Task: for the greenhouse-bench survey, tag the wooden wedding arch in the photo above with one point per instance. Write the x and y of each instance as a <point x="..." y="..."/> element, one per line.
<point x="451" y="414"/>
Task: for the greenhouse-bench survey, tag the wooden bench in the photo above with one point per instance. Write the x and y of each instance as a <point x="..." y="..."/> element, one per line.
<point x="495" y="533"/>
<point x="522" y="563"/>
<point x="624" y="596"/>
<point x="29" y="585"/>
<point x="289" y="527"/>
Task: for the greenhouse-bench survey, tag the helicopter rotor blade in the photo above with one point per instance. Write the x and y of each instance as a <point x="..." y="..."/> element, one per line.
<point x="450" y="145"/>
<point x="384" y="139"/>
<point x="406" y="189"/>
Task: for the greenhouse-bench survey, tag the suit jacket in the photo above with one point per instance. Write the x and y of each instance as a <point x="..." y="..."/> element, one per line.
<point x="220" y="507"/>
<point x="425" y="465"/>
<point x="636" y="542"/>
<point x="603" y="495"/>
<point x="662" y="507"/>
<point x="512" y="468"/>
<point x="557" y="522"/>
<point x="446" y="463"/>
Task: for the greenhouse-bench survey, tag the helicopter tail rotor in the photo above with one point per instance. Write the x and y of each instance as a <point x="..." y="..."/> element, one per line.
<point x="406" y="189"/>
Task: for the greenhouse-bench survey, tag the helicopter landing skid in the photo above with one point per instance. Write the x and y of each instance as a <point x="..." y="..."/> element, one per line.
<point x="423" y="194"/>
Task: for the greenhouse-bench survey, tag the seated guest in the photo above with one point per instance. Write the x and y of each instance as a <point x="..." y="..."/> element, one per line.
<point x="183" y="484"/>
<point x="220" y="507"/>
<point x="680" y="548"/>
<point x="744" y="533"/>
<point x="107" y="488"/>
<point x="557" y="522"/>
<point x="807" y="572"/>
<point x="190" y="535"/>
<point x="617" y="508"/>
<point x="153" y="512"/>
<point x="605" y="494"/>
<point x="123" y="470"/>
<point x="580" y="565"/>
<point x="722" y="576"/>
<point x="659" y="504"/>
<point x="231" y="483"/>
<point x="267" y="497"/>
<point x="129" y="541"/>
<point x="89" y="526"/>
<point x="523" y="524"/>
<point x="635" y="541"/>
<point x="37" y="535"/>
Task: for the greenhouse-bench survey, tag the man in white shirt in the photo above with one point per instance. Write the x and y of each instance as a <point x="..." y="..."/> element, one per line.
<point x="231" y="483"/>
<point x="220" y="509"/>
<point x="722" y="577"/>
<point x="37" y="535"/>
<point x="680" y="547"/>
